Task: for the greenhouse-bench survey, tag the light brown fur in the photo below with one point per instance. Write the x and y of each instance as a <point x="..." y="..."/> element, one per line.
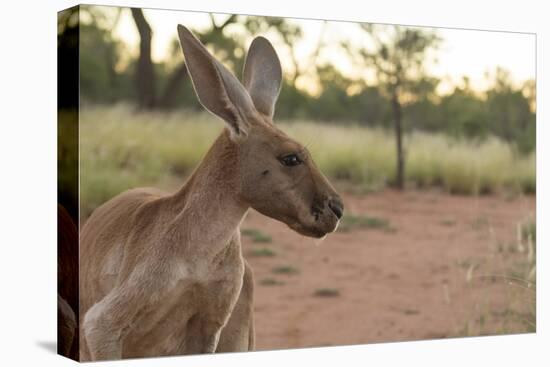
<point x="163" y="274"/>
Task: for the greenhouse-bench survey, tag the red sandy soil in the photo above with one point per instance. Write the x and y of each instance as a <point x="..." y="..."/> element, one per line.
<point x="424" y="278"/>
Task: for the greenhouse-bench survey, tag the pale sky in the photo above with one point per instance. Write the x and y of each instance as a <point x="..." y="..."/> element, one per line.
<point x="462" y="52"/>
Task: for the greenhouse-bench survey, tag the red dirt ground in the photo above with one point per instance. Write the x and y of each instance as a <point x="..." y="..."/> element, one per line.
<point x="422" y="278"/>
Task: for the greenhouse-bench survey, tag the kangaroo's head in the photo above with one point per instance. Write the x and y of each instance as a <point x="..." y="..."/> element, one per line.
<point x="276" y="174"/>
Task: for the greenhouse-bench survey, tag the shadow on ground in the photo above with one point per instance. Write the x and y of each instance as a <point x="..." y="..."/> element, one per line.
<point x="48" y="345"/>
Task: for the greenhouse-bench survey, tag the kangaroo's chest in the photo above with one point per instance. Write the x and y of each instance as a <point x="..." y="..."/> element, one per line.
<point x="202" y="292"/>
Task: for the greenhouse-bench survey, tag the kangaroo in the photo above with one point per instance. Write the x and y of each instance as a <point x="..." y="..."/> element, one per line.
<point x="67" y="284"/>
<point x="163" y="274"/>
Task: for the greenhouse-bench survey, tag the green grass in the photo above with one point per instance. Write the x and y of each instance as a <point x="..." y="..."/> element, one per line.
<point x="285" y="269"/>
<point x="121" y="149"/>
<point x="410" y="312"/>
<point x="262" y="252"/>
<point x="256" y="235"/>
<point x="351" y="222"/>
<point x="271" y="282"/>
<point x="326" y="292"/>
<point x="447" y="222"/>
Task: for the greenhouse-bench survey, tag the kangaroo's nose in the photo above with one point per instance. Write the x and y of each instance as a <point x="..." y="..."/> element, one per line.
<point x="337" y="207"/>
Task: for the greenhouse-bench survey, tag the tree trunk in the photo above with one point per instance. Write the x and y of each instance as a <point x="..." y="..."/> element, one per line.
<point x="174" y="84"/>
<point x="145" y="74"/>
<point x="400" y="172"/>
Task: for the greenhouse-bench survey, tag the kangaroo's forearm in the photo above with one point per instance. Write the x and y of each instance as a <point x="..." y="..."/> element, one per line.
<point x="103" y="338"/>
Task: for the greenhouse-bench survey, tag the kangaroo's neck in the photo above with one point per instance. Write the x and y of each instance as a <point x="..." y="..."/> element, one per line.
<point x="207" y="208"/>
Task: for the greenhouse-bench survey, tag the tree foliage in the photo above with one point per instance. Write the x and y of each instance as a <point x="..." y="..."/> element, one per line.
<point x="397" y="56"/>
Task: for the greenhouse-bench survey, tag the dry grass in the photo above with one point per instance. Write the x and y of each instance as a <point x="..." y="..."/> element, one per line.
<point x="121" y="149"/>
<point x="514" y="266"/>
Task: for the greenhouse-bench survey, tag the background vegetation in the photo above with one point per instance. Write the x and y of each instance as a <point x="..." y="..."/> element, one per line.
<point x="141" y="120"/>
<point x="118" y="153"/>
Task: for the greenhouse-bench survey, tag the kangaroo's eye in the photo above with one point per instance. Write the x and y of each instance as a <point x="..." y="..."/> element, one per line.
<point x="291" y="160"/>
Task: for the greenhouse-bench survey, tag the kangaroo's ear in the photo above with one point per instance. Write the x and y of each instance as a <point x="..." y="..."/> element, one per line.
<point x="219" y="91"/>
<point x="262" y="75"/>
